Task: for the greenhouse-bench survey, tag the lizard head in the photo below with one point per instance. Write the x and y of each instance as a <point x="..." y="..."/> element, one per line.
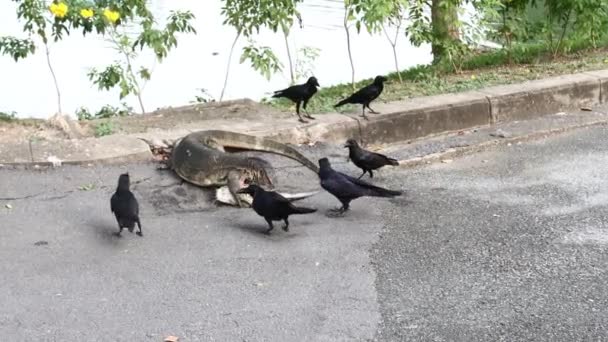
<point x="256" y="172"/>
<point x="251" y="189"/>
<point x="212" y="143"/>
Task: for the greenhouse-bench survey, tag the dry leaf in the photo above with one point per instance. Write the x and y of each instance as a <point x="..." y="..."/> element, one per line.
<point x="586" y="109"/>
<point x="8" y="206"/>
<point x="171" y="339"/>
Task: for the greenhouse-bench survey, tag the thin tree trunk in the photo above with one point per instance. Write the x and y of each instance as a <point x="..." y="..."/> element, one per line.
<point x="228" y="66"/>
<point x="550" y="32"/>
<point x="138" y="88"/>
<point x="131" y="75"/>
<point x="394" y="46"/>
<point x="561" y="38"/>
<point x="350" y="55"/>
<point x="48" y="61"/>
<point x="293" y="79"/>
<point x="507" y="34"/>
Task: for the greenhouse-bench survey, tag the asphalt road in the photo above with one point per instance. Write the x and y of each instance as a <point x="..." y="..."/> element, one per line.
<point x="503" y="245"/>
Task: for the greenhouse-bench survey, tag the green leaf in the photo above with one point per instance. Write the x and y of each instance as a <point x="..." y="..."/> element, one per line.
<point x="243" y="58"/>
<point x="144" y="74"/>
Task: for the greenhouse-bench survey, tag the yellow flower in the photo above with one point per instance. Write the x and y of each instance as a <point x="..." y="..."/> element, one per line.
<point x="112" y="16"/>
<point x="59" y="9"/>
<point x="473" y="77"/>
<point x="86" y="13"/>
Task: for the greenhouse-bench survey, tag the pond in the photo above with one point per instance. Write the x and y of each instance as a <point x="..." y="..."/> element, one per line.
<point x="199" y="61"/>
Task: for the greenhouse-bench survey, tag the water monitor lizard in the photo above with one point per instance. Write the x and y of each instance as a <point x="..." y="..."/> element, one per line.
<point x="200" y="158"/>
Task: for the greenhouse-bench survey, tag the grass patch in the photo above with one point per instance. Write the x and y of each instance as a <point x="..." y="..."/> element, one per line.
<point x="103" y="129"/>
<point x="529" y="62"/>
<point x="8" y="117"/>
<point x="12" y="119"/>
<point x="105" y="112"/>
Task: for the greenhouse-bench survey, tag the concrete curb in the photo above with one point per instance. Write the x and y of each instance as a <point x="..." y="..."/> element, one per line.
<point x="330" y="127"/>
<point x="420" y="117"/>
<point x="114" y="160"/>
<point x="398" y="121"/>
<point x="425" y="116"/>
<point x="541" y="97"/>
<point x="113" y="149"/>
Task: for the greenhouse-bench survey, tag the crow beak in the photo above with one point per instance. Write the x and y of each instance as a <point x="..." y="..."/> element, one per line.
<point x="242" y="191"/>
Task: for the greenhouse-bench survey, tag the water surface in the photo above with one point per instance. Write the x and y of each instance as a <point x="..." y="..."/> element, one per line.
<point x="198" y="62"/>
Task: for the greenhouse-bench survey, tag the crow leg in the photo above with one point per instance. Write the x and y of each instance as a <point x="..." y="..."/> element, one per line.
<point x="340" y="211"/>
<point x="363" y="113"/>
<point x="140" y="233"/>
<point x="286" y="227"/>
<point x="298" y="112"/>
<point x="306" y="111"/>
<point x="362" y="174"/>
<point x="371" y="110"/>
<point x="270" y="226"/>
<point x="371" y="175"/>
<point x="120" y="228"/>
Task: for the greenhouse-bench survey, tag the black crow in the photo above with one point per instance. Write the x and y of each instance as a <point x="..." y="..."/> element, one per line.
<point x="272" y="206"/>
<point x="346" y="188"/>
<point x="124" y="206"/>
<point x="366" y="95"/>
<point x="367" y="160"/>
<point x="300" y="94"/>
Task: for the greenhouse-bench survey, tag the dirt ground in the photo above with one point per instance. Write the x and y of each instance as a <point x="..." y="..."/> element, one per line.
<point x="19" y="131"/>
<point x="171" y="118"/>
<point x="22" y="131"/>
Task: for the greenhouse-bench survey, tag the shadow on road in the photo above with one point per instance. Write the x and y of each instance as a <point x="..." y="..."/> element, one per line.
<point x="259" y="229"/>
<point x="106" y="231"/>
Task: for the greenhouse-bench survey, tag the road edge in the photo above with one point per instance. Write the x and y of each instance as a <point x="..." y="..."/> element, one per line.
<point x="415" y="118"/>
